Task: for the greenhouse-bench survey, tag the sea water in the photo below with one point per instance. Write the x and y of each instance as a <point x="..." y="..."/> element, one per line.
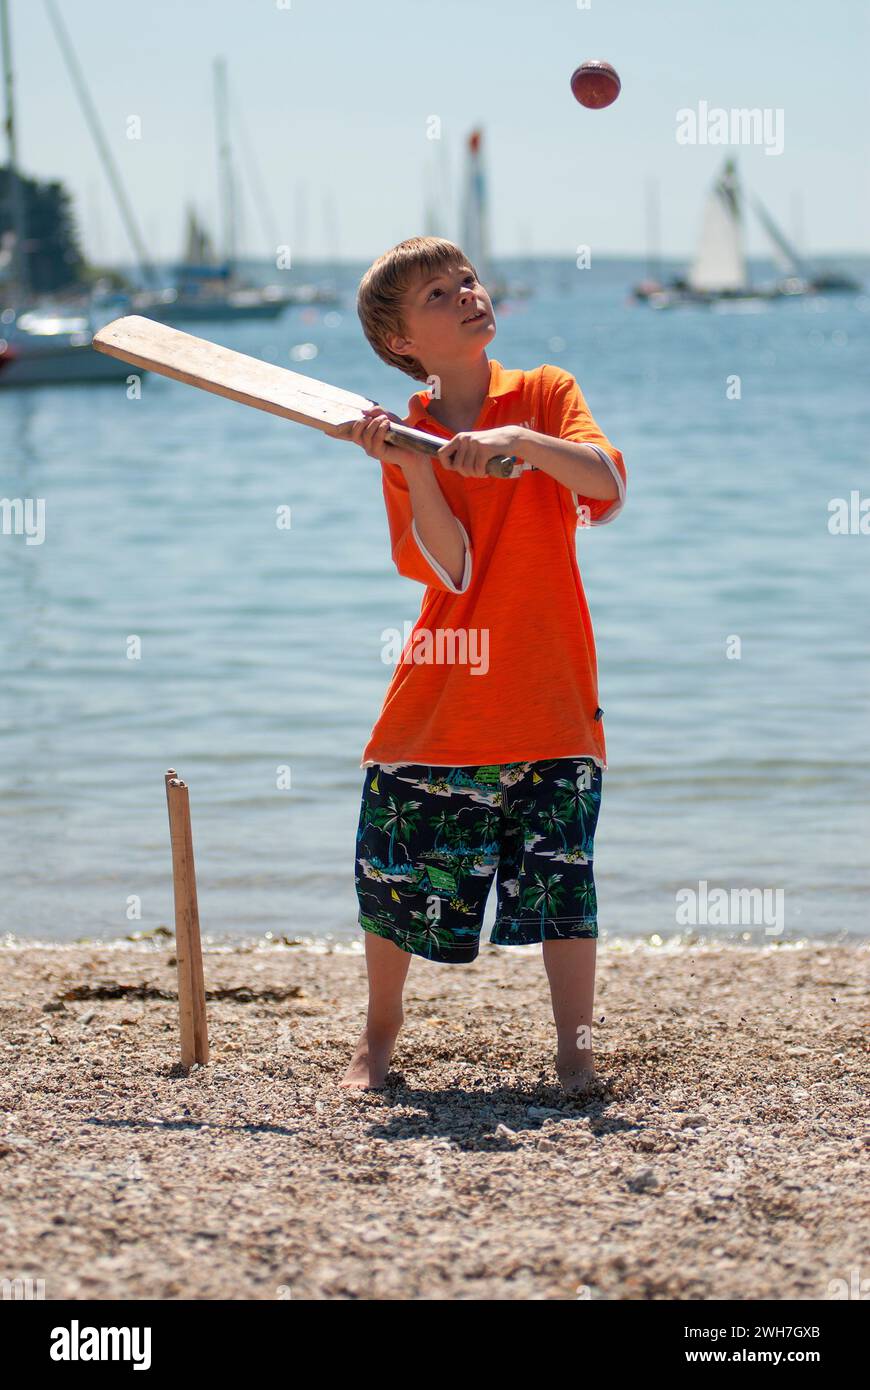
<point x="166" y="618"/>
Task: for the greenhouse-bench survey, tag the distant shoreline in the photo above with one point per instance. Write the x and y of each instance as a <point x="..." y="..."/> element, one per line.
<point x="354" y="944"/>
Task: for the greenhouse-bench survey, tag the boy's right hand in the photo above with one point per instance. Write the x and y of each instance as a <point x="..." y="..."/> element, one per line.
<point x="370" y="433"/>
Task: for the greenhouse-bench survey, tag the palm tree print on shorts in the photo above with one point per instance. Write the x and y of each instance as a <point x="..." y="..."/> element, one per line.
<point x="430" y="841"/>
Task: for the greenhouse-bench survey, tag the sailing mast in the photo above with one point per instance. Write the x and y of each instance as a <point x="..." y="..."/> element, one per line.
<point x="475" y="222"/>
<point x="653" y="231"/>
<point x="787" y="255"/>
<point x="300" y="221"/>
<point x="431" y="221"/>
<point x="250" y="165"/>
<point x="21" y="276"/>
<point x="225" y="163"/>
<point x="101" y="143"/>
<point x="797" y="222"/>
<point x="437" y="209"/>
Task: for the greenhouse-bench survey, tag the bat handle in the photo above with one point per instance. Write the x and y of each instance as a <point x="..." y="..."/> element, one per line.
<point x="418" y="442"/>
<point x="501" y="465"/>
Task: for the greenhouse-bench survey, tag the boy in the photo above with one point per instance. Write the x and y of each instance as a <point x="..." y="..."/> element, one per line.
<point x="488" y="751"/>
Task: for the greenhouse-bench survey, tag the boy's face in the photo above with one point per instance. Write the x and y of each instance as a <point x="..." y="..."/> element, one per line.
<point x="448" y="318"/>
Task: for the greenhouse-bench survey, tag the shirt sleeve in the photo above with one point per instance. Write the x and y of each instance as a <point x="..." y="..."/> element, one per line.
<point x="567" y="416"/>
<point x="410" y="555"/>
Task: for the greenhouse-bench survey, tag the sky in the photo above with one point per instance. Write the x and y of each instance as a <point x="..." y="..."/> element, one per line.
<point x="336" y="99"/>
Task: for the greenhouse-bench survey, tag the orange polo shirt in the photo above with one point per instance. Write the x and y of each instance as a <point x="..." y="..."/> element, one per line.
<point x="500" y="668"/>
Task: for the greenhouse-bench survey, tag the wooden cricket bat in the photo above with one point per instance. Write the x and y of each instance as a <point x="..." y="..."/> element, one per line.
<point x="146" y="343"/>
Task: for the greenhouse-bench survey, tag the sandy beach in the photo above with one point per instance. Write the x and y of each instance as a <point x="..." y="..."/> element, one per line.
<point x="722" y="1159"/>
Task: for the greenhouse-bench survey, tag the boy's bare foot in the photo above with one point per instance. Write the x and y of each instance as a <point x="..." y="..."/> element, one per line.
<point x="371" y="1060"/>
<point x="577" y="1073"/>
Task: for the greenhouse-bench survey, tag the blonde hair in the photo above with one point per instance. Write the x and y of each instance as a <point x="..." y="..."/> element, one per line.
<point x="385" y="284"/>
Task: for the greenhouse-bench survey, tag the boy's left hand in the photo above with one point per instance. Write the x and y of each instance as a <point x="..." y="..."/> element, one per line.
<point x="469" y="451"/>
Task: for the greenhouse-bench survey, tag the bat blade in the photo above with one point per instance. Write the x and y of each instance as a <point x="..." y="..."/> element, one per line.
<point x="198" y="362"/>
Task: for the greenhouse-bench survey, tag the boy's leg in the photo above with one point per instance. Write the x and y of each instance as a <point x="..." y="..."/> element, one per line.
<point x="387" y="966"/>
<point x="570" y="967"/>
<point x="547" y="892"/>
<point x="426" y="840"/>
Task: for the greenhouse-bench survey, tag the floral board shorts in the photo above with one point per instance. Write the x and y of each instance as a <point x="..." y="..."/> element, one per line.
<point x="430" y="840"/>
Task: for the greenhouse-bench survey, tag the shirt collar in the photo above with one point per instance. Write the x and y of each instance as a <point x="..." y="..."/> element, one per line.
<point x="502" y="382"/>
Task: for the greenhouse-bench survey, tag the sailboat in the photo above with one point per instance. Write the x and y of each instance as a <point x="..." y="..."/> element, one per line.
<point x="475" y="213"/>
<point x="475" y="224"/>
<point x="209" y="287"/>
<point x="718" y="270"/>
<point x="48" y="345"/>
<point x="206" y="287"/>
<point x="41" y="342"/>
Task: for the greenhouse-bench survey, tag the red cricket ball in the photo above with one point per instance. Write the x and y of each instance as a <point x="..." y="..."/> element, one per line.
<point x="595" y="83"/>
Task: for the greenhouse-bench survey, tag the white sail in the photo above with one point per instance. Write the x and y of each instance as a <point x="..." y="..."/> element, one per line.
<point x="720" y="263"/>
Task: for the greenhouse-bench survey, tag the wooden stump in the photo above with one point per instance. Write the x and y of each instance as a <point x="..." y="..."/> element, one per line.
<point x="188" y="948"/>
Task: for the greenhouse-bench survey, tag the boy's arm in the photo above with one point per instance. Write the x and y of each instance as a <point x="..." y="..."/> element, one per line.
<point x="571" y="448"/>
<point x="583" y="468"/>
<point x="568" y="420"/>
<point x="437" y="531"/>
<point x="428" y="542"/>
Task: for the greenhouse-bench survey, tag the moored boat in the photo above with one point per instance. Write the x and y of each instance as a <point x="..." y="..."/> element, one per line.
<point x="49" y="347"/>
<point x="719" y="275"/>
